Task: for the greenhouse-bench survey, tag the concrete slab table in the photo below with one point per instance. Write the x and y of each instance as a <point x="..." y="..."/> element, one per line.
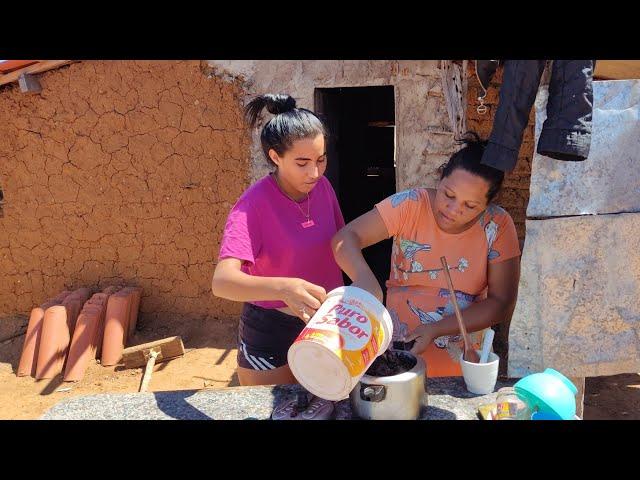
<point x="447" y="399"/>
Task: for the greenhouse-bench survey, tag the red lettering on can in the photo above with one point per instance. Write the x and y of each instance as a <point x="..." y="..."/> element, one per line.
<point x="362" y="333"/>
<point x="344" y="324"/>
<point x="365" y="356"/>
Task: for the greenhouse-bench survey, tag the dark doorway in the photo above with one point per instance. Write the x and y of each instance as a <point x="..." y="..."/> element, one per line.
<point x="361" y="151"/>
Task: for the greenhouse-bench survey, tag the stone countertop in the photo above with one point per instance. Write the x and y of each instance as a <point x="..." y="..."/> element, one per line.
<point x="448" y="399"/>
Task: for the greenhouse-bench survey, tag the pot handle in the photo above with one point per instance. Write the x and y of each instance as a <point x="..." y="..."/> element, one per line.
<point x="372" y="393"/>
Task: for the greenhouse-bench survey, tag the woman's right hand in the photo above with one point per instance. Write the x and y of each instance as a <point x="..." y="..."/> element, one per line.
<point x="302" y="297"/>
<point x="423" y="335"/>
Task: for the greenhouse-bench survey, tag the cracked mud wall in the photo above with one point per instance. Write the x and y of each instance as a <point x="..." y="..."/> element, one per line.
<point x="119" y="172"/>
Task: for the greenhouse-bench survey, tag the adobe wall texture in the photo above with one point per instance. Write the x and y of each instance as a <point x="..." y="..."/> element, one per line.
<point x="119" y="172"/>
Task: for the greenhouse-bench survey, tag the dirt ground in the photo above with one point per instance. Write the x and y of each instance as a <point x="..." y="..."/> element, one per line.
<point x="612" y="398"/>
<point x="210" y="362"/>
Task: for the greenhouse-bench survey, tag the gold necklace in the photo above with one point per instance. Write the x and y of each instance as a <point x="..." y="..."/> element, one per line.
<point x="308" y="223"/>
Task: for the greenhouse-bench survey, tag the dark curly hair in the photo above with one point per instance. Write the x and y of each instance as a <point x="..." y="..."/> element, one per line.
<point x="468" y="158"/>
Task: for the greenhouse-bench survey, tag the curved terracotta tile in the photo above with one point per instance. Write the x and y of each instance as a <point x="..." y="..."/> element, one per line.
<point x="130" y="296"/>
<point x="31" y="345"/>
<point x="54" y="342"/>
<point x="73" y="304"/>
<point x="91" y="308"/>
<point x="135" y="308"/>
<point x="82" y="344"/>
<point x="100" y="333"/>
<point x="96" y="345"/>
<point x="77" y="298"/>
<point x="96" y="339"/>
<point x="83" y="292"/>
<point x="61" y="296"/>
<point x="110" y="290"/>
<point x="28" y="358"/>
<point x="115" y="326"/>
<point x="100" y="298"/>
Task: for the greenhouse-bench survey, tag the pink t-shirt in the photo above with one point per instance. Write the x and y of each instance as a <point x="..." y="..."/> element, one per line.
<point x="264" y="229"/>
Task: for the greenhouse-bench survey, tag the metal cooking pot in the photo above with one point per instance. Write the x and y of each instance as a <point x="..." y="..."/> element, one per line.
<point x="395" y="397"/>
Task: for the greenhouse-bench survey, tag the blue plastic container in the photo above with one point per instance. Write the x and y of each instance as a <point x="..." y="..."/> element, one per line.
<point x="548" y="393"/>
<point x="544" y="416"/>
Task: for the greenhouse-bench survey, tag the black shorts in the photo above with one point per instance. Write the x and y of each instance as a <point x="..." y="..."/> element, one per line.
<point x="264" y="337"/>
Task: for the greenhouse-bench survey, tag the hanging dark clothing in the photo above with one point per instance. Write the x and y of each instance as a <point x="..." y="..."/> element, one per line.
<point x="566" y="133"/>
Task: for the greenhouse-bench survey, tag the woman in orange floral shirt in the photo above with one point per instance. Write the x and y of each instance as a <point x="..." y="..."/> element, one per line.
<point x="456" y="220"/>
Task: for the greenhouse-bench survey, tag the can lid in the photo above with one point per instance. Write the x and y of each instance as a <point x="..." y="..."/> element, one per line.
<point x="320" y="371"/>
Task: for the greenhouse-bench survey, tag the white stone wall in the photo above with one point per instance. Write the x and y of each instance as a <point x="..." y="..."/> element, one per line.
<point x="424" y="138"/>
<point x="578" y="309"/>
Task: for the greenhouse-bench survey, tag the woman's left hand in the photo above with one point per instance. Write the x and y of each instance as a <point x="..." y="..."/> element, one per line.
<point x="423" y="335"/>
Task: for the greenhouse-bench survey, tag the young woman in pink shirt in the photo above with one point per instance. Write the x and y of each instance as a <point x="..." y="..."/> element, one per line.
<point x="275" y="254"/>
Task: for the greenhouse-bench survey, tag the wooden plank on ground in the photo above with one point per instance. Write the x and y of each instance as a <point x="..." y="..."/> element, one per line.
<point x="171" y="347"/>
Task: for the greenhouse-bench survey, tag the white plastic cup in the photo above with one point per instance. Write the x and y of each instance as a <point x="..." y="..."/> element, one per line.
<point x="340" y="342"/>
<point x="480" y="378"/>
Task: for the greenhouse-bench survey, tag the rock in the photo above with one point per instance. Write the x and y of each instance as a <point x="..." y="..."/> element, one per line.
<point x="578" y="309"/>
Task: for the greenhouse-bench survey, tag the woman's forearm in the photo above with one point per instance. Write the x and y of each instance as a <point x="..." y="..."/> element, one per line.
<point x="477" y="316"/>
<point x="347" y="251"/>
<point x="240" y="287"/>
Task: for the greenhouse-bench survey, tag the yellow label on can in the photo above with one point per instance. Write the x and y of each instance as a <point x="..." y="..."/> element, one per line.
<point x="350" y="331"/>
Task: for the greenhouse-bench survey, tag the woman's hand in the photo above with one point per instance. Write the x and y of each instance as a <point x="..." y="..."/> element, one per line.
<point x="423" y="335"/>
<point x="302" y="297"/>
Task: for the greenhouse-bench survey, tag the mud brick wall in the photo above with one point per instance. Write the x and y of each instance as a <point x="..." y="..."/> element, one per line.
<point x="119" y="172"/>
<point x="514" y="196"/>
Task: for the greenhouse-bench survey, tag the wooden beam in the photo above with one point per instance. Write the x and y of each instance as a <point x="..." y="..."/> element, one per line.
<point x="451" y="76"/>
<point x="41" y="66"/>
<point x="10" y="65"/>
<point x="617" y="69"/>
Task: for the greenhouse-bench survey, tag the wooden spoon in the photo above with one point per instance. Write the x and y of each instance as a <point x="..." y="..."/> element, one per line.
<point x="470" y="355"/>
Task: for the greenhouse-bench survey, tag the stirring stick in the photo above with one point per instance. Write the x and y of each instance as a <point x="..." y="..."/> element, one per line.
<point x="470" y="355"/>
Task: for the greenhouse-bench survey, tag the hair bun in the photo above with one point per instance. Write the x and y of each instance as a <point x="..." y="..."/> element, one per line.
<point x="278" y="103"/>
